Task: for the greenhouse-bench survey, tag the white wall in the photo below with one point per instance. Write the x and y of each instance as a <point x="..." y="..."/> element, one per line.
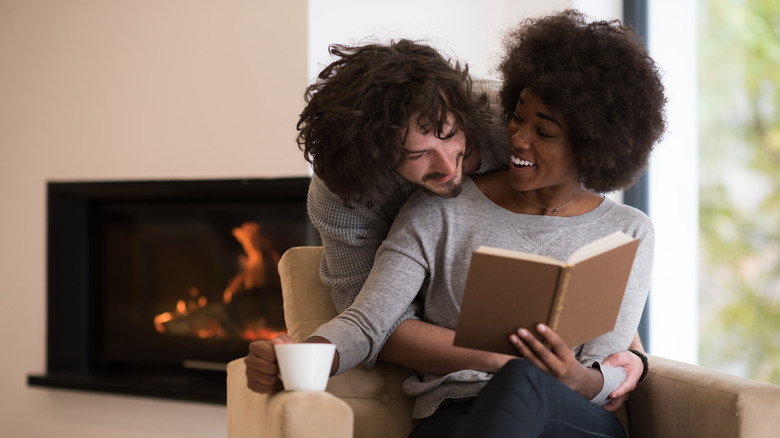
<point x="114" y="89"/>
<point x="465" y="30"/>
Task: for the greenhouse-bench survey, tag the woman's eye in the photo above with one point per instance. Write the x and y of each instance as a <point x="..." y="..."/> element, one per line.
<point x="542" y="134"/>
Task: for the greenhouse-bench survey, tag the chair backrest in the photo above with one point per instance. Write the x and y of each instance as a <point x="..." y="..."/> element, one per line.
<point x="381" y="409"/>
<point x="307" y="302"/>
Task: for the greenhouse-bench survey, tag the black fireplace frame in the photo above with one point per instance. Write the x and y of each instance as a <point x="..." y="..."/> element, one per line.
<point x="69" y="341"/>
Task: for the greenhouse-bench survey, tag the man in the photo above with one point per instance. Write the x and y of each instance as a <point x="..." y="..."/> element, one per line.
<point x="381" y="121"/>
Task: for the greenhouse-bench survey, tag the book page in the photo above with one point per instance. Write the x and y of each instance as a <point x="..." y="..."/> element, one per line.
<point x="599" y="246"/>
<point x="500" y="252"/>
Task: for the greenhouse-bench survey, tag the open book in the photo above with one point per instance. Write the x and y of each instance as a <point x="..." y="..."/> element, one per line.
<point x="579" y="299"/>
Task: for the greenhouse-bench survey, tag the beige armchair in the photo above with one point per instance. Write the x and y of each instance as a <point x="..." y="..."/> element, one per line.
<point x="675" y="400"/>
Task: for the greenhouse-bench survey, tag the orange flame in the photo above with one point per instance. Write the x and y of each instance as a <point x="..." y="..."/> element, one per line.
<point x="260" y="257"/>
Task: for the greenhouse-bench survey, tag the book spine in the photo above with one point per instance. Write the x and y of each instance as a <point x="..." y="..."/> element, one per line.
<point x="560" y="297"/>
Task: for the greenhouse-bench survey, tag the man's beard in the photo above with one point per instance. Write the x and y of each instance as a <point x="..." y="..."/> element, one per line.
<point x="451" y="189"/>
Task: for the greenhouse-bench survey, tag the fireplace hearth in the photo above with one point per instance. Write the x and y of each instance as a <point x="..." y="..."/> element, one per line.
<point x="153" y="286"/>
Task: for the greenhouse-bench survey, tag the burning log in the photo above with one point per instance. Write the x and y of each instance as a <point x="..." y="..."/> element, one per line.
<point x="251" y="306"/>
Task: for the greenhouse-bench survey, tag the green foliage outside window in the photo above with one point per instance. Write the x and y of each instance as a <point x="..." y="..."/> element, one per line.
<point x="739" y="150"/>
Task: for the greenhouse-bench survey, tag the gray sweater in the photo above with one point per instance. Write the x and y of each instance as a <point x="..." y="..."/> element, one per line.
<point x="429" y="249"/>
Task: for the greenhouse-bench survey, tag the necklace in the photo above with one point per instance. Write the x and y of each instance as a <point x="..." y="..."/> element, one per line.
<point x="554" y="210"/>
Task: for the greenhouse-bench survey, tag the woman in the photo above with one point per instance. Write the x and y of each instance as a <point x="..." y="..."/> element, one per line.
<point x="585" y="106"/>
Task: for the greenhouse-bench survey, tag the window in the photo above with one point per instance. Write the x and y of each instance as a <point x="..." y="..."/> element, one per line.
<point x="739" y="186"/>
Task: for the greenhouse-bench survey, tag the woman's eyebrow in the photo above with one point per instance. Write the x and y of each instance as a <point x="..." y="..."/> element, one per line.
<point x="550" y="118"/>
<point x="541" y="115"/>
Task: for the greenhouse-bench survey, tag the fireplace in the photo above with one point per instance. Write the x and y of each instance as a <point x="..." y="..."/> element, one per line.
<point x="153" y="286"/>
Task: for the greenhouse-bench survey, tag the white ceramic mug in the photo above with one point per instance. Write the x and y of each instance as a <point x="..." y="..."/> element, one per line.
<point x="304" y="367"/>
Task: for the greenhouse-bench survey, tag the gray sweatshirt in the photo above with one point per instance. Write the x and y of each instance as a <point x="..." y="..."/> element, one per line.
<point x="428" y="250"/>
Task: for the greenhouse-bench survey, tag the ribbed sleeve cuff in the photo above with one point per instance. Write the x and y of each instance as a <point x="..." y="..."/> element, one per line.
<point x="613" y="377"/>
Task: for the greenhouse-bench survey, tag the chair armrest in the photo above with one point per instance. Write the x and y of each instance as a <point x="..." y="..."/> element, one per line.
<point x="683" y="400"/>
<point x="284" y="415"/>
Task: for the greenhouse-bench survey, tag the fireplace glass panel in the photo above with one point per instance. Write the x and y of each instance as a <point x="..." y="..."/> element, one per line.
<point x="185" y="283"/>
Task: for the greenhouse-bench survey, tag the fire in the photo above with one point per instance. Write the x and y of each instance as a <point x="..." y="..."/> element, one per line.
<point x="161" y="319"/>
<point x="261" y="333"/>
<point x="255" y="271"/>
<point x="194" y="316"/>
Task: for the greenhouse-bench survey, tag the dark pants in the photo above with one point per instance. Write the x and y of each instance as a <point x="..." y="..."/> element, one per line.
<point x="521" y="401"/>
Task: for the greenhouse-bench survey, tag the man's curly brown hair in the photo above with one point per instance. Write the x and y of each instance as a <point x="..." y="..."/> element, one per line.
<point x="358" y="111"/>
<point x="601" y="80"/>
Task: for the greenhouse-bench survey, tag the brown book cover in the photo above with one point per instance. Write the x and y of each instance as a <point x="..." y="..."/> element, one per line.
<point x="579" y="298"/>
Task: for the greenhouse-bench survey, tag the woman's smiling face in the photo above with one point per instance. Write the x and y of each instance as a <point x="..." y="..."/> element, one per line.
<point x="541" y="153"/>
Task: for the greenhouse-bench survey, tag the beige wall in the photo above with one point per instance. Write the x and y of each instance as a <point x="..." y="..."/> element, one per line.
<point x="116" y="89"/>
